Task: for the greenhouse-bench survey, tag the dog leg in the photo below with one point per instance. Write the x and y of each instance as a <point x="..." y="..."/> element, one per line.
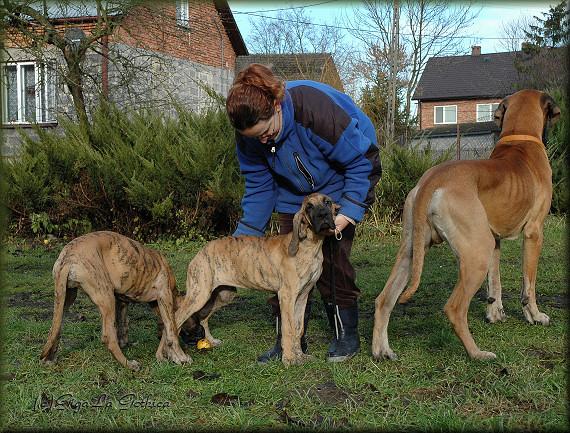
<point x="122" y="322"/>
<point x="495" y="310"/>
<point x="105" y="301"/>
<point x="386" y="300"/>
<point x="532" y="244"/>
<point x="289" y="328"/>
<point x="464" y="220"/>
<point x="399" y="277"/>
<point x="299" y="317"/>
<point x="223" y="298"/>
<point x="169" y="343"/>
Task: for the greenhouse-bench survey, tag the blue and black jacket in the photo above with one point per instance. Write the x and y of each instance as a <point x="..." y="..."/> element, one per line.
<point x="326" y="144"/>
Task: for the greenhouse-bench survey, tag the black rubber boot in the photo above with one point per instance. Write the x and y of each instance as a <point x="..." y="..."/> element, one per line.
<point x="348" y="342"/>
<point x="276" y="351"/>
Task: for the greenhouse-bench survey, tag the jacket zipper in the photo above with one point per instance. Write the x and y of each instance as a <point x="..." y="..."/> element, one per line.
<point x="306" y="173"/>
<point x="273" y="153"/>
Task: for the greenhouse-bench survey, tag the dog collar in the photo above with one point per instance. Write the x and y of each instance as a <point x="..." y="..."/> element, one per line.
<point x="509" y="138"/>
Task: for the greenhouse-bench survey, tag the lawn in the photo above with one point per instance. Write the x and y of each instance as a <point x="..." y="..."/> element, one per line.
<point x="432" y="386"/>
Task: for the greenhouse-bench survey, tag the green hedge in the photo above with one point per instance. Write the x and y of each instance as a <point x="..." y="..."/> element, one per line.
<point x="147" y="175"/>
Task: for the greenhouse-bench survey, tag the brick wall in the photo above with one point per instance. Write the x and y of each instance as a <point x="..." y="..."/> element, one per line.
<point x="154" y="27"/>
<point x="466" y="110"/>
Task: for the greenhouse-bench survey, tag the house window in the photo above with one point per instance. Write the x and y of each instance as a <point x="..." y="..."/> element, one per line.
<point x="485" y="112"/>
<point x="28" y="93"/>
<point x="445" y="114"/>
<point x="182" y="13"/>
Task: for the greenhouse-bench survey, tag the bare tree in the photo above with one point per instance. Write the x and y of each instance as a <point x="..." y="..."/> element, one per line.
<point x="294" y="32"/>
<point x="428" y="28"/>
<point x="513" y="33"/>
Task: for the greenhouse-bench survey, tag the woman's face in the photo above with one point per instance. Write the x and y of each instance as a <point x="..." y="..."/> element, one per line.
<point x="265" y="130"/>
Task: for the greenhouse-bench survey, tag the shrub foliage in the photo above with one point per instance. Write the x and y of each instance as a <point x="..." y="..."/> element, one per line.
<point x="148" y="175"/>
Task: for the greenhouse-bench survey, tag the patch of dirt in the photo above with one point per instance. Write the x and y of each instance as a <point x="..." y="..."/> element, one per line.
<point x="30" y="299"/>
<point x="329" y="393"/>
<point x="555" y="301"/>
<point x="547" y="360"/>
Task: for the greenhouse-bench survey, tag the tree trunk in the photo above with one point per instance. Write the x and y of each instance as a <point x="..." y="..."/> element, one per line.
<point x="74" y="81"/>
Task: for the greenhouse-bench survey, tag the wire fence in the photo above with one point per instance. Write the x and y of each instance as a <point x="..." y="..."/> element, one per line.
<point x="466" y="147"/>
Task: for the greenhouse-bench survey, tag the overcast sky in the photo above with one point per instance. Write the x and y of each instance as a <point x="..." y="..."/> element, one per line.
<point x="492" y="13"/>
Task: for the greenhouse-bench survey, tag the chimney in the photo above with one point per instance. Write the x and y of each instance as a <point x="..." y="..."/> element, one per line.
<point x="476" y="50"/>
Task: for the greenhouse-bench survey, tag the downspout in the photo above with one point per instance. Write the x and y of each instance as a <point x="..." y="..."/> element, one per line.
<point x="222" y="52"/>
<point x="105" y="67"/>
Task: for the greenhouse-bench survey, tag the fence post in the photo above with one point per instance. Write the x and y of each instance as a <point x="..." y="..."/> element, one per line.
<point x="458" y="143"/>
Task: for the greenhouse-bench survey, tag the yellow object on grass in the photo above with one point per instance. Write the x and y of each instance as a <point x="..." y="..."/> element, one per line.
<point x="203" y="344"/>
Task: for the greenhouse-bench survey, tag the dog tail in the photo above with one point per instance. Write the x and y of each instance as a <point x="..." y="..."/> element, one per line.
<point x="418" y="242"/>
<point x="63" y="298"/>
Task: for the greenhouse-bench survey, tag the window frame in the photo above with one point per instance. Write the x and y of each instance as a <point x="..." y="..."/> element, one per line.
<point x="184" y="19"/>
<point x="42" y="94"/>
<point x="435" y="122"/>
<point x="491" y="111"/>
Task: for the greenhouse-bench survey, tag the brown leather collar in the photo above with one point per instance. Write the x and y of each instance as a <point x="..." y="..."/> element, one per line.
<point x="509" y="138"/>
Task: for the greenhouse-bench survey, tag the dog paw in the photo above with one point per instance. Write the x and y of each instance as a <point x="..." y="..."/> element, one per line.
<point x="296" y="360"/>
<point x="495" y="314"/>
<point x="386" y="354"/>
<point x="538" y="317"/>
<point x="482" y="355"/>
<point x="181" y="359"/>
<point x="215" y="342"/>
<point x="133" y="365"/>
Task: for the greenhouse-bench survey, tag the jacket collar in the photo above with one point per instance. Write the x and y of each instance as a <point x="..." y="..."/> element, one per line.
<point x="288" y="117"/>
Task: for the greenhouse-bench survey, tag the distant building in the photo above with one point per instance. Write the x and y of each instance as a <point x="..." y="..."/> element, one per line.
<point x="458" y="95"/>
<point x="318" y="67"/>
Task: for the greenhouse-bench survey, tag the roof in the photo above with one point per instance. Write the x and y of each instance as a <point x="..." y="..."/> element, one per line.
<point x="464" y="77"/>
<point x="476" y="128"/>
<point x="291" y="66"/>
<point x="231" y="27"/>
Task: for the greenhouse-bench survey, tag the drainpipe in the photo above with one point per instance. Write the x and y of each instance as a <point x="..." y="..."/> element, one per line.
<point x="221" y="50"/>
<point x="105" y="67"/>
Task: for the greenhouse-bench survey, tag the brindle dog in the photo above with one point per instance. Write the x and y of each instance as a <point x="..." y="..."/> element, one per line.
<point x="113" y="270"/>
<point x="289" y="265"/>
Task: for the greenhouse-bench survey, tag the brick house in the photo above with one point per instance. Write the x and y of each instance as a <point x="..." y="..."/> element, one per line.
<point x="311" y="66"/>
<point x="458" y="95"/>
<point x="170" y="52"/>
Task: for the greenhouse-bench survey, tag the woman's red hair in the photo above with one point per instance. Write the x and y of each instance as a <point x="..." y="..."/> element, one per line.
<point x="253" y="95"/>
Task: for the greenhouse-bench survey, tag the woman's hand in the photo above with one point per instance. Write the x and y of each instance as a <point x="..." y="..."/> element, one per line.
<point x="341" y="222"/>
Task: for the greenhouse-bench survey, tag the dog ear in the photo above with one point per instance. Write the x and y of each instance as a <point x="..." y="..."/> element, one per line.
<point x="299" y="232"/>
<point x="551" y="109"/>
<point x="500" y="113"/>
<point x="335" y="209"/>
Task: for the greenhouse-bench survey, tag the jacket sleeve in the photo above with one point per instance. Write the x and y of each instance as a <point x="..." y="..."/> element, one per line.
<point x="259" y="198"/>
<point x="348" y="153"/>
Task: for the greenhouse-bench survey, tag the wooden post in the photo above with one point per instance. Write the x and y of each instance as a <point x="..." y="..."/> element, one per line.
<point x="458" y="143"/>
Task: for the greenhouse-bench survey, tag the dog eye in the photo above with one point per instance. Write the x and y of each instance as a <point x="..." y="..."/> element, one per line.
<point x="309" y="206"/>
<point x="328" y="202"/>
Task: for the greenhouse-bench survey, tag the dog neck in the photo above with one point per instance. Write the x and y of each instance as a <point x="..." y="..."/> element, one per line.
<point x="519" y="137"/>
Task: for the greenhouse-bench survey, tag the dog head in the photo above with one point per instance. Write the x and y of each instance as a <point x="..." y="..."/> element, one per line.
<point x="315" y="216"/>
<point x="527" y="111"/>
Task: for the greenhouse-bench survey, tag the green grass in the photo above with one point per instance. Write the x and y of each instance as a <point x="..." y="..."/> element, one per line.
<point x="432" y="386"/>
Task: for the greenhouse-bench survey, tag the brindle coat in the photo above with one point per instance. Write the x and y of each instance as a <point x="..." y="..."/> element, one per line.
<point x="289" y="265"/>
<point x="473" y="205"/>
<point x="113" y="269"/>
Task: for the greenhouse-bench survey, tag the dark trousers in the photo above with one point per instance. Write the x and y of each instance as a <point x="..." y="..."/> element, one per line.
<point x="346" y="290"/>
